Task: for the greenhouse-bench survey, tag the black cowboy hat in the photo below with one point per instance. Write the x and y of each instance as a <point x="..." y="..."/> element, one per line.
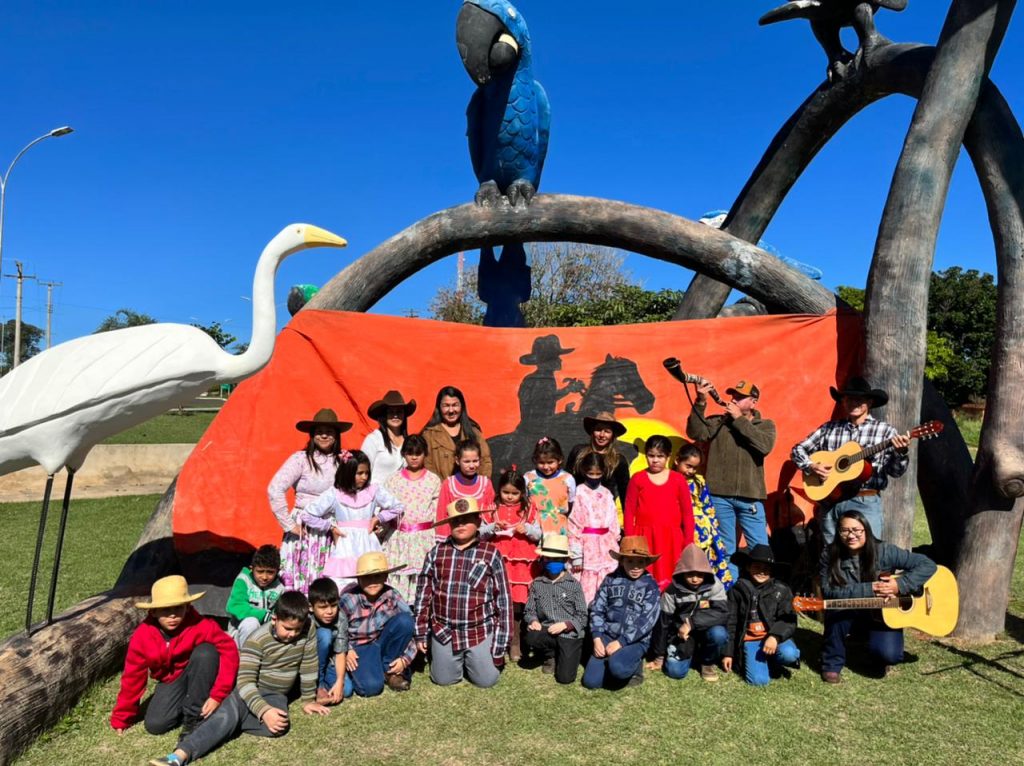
<point x="324" y="417"/>
<point x="858" y="387"/>
<point x="545" y="348"/>
<point x="760" y="553"/>
<point x="391" y="399"/>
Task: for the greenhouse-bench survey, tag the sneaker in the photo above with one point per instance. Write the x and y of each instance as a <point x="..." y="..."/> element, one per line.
<point x="708" y="673"/>
<point x="549" y="666"/>
<point x="166" y="760"/>
<point x="831" y="677"/>
<point x="397" y="682"/>
<point x="636" y="680"/>
<point x="889" y="670"/>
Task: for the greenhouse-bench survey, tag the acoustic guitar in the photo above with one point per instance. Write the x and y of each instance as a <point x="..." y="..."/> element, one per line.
<point x="934" y="612"/>
<point x="849" y="464"/>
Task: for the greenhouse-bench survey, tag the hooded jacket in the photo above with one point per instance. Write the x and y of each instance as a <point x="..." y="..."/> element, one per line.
<point x="774" y="602"/>
<point x="248" y="599"/>
<point x="625" y="610"/>
<point x="703" y="607"/>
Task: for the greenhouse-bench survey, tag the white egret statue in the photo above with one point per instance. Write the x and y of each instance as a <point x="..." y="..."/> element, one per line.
<point x="58" y="404"/>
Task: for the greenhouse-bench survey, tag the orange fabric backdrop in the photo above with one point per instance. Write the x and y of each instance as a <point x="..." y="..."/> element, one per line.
<point x="346" y="361"/>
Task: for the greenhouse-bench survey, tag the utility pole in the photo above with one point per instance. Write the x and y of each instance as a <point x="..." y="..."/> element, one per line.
<point x="20" y="276"/>
<point x="49" y="305"/>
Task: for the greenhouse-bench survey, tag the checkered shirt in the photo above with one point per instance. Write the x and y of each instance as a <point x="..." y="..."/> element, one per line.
<point x="834" y="434"/>
<point x="361" y="621"/>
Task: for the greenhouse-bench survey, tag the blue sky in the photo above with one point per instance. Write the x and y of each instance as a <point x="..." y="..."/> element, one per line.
<point x="202" y="128"/>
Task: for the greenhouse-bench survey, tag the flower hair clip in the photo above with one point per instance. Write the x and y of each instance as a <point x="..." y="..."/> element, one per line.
<point x="344" y="455"/>
<point x="543" y="440"/>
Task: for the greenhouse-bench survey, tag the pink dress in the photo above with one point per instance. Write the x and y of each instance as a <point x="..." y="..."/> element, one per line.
<point x="452" y="489"/>
<point x="414" y="537"/>
<point x="302" y="559"/>
<point x="519" y="550"/>
<point x="593" y="533"/>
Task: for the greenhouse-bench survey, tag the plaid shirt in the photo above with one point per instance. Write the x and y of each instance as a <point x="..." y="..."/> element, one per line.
<point x="561" y="600"/>
<point x="463" y="595"/>
<point x="360" y="621"/>
<point x="834" y="434"/>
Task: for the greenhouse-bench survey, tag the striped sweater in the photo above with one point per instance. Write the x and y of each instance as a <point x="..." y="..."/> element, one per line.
<point x="270" y="665"/>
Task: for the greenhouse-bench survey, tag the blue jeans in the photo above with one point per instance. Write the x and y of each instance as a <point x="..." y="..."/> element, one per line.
<point x="621" y="666"/>
<point x="758" y="666"/>
<point x="869" y="505"/>
<point x="367" y="680"/>
<point x="885" y="644"/>
<point x="705" y="644"/>
<point x="750" y="514"/>
<point x="327" y="675"/>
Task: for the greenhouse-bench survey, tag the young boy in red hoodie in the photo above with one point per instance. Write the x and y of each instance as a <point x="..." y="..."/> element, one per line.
<point x="193" y="660"/>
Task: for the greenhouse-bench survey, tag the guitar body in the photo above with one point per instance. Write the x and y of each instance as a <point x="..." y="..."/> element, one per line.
<point x="844" y="470"/>
<point x="934" y="612"/>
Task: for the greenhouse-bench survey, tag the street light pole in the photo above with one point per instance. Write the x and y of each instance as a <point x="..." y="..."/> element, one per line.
<point x="55" y="133"/>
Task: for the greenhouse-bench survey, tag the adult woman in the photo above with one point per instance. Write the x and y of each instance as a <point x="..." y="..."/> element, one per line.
<point x="449" y="425"/>
<point x="310" y="472"/>
<point x="604" y="429"/>
<point x="384" y="445"/>
<point x="858" y="565"/>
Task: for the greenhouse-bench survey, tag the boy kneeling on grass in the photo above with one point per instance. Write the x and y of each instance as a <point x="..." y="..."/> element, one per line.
<point x="193" y="660"/>
<point x="273" y="658"/>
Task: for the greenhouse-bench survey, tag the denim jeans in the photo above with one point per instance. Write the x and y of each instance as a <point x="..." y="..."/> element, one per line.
<point x="750" y="515"/>
<point x="885" y="644"/>
<point x="869" y="505"/>
<point x="367" y="680"/>
<point x="327" y="675"/>
<point x="621" y="666"/>
<point x="705" y="644"/>
<point x="758" y="666"/>
<point x="182" y="699"/>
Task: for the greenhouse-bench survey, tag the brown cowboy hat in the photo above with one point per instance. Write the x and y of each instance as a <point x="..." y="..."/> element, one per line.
<point x="860" y="388"/>
<point x="324" y="417"/>
<point x="464" y="506"/>
<point x="545" y="348"/>
<point x="604" y="418"/>
<point x="636" y="546"/>
<point x="391" y="399"/>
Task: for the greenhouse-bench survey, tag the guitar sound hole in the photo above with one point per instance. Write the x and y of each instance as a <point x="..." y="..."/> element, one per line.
<point x="842" y="464"/>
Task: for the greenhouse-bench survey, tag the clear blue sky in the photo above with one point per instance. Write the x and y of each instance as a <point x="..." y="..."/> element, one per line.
<point x="202" y="128"/>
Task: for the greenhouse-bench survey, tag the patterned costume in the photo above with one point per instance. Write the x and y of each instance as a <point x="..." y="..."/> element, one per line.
<point x="593" y="532"/>
<point x="706" y="532"/>
<point x="414" y="536"/>
<point x="519" y="550"/>
<point x="550" y="498"/>
<point x="454" y="488"/>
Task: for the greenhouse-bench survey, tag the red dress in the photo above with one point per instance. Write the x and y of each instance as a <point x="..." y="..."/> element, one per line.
<point x="664" y="516"/>
<point x="518" y="550"/>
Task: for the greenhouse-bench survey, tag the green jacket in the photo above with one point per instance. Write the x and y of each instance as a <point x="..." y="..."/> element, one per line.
<point x="248" y="599"/>
<point x="736" y="451"/>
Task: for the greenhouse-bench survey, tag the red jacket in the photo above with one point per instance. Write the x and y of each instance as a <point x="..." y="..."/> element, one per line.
<point x="149" y="654"/>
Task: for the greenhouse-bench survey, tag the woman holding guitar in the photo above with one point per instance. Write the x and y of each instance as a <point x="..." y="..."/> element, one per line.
<point x="858" y="565"/>
<point x="856" y="400"/>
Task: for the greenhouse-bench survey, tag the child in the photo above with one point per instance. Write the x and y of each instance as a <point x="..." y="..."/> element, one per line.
<point x="273" y="657"/>
<point x="556" y="612"/>
<point x="353" y="511"/>
<point x="463" y="610"/>
<point x="658" y="508"/>
<point x="375" y="628"/>
<point x="515" y="533"/>
<point x="551" y="489"/>
<point x="417" y="490"/>
<point x="254" y="593"/>
<point x="694" y="610"/>
<point x="622" y="618"/>
<point x="593" y="527"/>
<point x="706" y="533"/>
<point x="192" y="659"/>
<point x="323" y="604"/>
<point x="466" y="482"/>
<point x="762" y="622"/>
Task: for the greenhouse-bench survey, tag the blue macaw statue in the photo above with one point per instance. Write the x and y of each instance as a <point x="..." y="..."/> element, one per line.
<point x="508" y="118"/>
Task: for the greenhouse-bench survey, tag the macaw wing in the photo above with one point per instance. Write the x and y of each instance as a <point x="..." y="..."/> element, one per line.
<point x="543" y="127"/>
<point x="474" y="123"/>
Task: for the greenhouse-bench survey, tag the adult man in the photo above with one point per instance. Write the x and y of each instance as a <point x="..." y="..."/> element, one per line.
<point x="856" y="400"/>
<point x="737" y="444"/>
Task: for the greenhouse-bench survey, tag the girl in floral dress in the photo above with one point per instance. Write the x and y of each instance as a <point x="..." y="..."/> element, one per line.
<point x="593" y="527"/>
<point x="352" y="511"/>
<point x="309" y="472"/>
<point x="417" y="490"/>
<point x="551" y="489"/>
<point x="705" y="523"/>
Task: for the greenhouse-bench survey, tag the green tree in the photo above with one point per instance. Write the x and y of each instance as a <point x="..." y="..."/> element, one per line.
<point x="31" y="336"/>
<point x="216" y="331"/>
<point x="124" y="318"/>
<point x="854" y="296"/>
<point x="962" y="311"/>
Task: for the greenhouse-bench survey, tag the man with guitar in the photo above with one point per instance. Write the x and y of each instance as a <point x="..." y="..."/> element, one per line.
<point x="859" y="493"/>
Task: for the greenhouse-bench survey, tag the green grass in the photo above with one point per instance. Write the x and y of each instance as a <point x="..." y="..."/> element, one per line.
<point x="100" y="535"/>
<point x="185" y="428"/>
<point x="952" y="705"/>
<point x="970" y="428"/>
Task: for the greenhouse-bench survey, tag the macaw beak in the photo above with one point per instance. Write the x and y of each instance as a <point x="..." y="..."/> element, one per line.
<point x="484" y="43"/>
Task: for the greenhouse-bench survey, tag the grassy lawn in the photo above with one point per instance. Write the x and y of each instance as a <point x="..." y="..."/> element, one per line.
<point x="185" y="428"/>
<point x="952" y="705"/>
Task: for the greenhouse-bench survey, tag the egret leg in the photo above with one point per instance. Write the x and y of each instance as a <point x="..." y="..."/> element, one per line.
<point x="60" y="545"/>
<point x="39" y="549"/>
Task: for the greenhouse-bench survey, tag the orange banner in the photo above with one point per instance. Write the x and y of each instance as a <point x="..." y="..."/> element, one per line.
<point x="346" y="361"/>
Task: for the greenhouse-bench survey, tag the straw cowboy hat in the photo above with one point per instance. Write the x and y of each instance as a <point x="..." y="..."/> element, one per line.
<point x="604" y="419"/>
<point x="169" y="591"/>
<point x="861" y="389"/>
<point x="554" y="546"/>
<point x="545" y="349"/>
<point x="464" y="506"/>
<point x="373" y="563"/>
<point x="324" y="417"/>
<point x="391" y="399"/>
<point x="635" y="546"/>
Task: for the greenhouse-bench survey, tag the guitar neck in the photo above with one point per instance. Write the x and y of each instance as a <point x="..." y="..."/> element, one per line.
<point x="866" y="603"/>
<point x="867" y="452"/>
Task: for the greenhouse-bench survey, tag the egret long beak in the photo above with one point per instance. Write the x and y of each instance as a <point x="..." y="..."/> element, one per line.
<point x="316" y="237"/>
